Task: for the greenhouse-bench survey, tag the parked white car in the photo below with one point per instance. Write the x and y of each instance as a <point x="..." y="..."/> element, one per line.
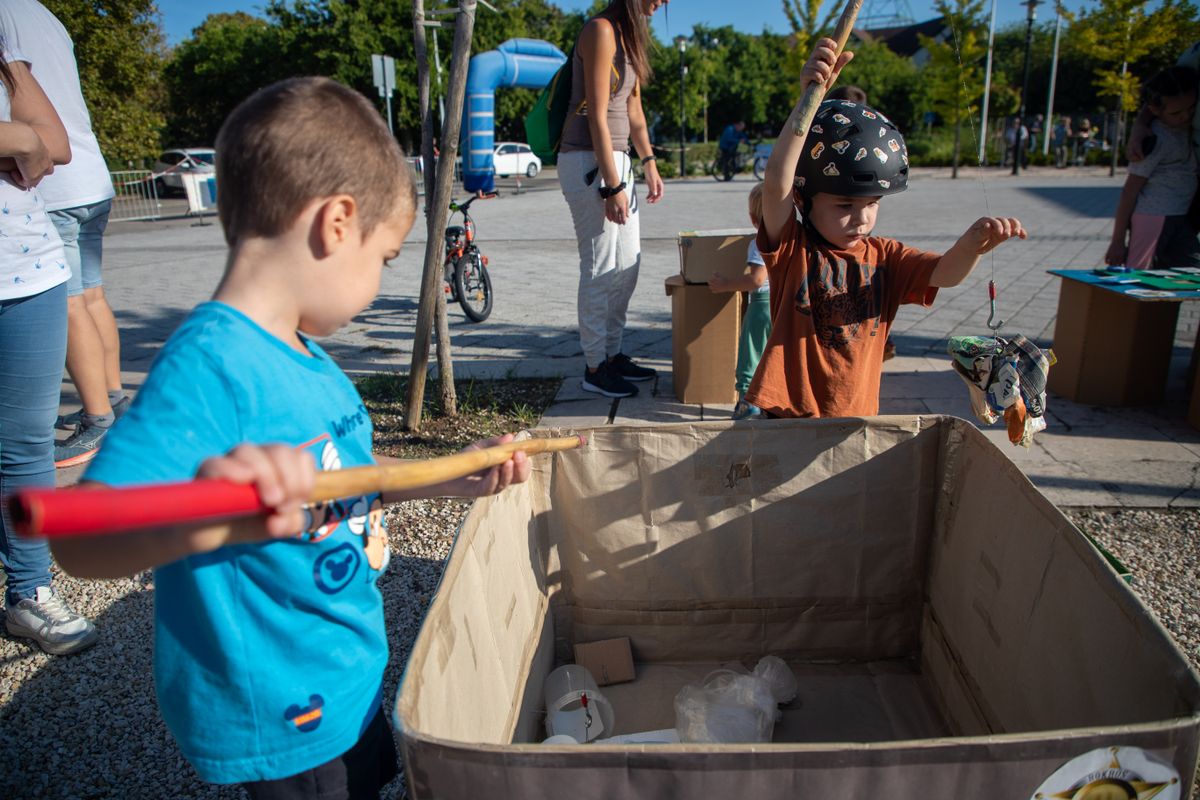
<point x="515" y="158"/>
<point x="172" y="164"/>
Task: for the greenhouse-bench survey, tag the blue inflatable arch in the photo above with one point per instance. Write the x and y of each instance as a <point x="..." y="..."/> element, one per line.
<point x="524" y="63"/>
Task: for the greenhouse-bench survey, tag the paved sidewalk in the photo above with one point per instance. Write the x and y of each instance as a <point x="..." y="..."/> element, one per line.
<point x="155" y="272"/>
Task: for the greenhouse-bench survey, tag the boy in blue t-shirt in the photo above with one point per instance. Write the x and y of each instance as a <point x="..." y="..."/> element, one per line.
<point x="269" y="634"/>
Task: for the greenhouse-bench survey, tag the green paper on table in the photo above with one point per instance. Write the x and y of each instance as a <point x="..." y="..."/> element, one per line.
<point x="1157" y="279"/>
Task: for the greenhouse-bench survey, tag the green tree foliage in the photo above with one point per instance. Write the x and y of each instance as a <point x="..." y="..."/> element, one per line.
<point x="954" y="73"/>
<point x="1128" y="40"/>
<point x="227" y="58"/>
<point x="808" y="24"/>
<point x="893" y="83"/>
<point x="232" y="55"/>
<point x="119" y="50"/>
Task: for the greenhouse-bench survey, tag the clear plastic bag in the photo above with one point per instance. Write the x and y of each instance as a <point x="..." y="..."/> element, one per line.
<point x="731" y="707"/>
<point x="779" y="677"/>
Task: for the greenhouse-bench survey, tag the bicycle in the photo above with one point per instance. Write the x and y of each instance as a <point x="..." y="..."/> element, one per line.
<point x="465" y="268"/>
<point x="726" y="165"/>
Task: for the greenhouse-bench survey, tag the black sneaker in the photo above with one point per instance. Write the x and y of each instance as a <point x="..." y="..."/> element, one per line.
<point x="628" y="369"/>
<point x="607" y="382"/>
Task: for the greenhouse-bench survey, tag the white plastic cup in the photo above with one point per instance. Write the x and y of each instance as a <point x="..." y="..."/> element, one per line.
<point x="565" y="688"/>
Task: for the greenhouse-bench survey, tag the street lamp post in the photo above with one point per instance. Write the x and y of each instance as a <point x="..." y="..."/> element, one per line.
<point x="681" y="43"/>
<point x="1031" y="5"/>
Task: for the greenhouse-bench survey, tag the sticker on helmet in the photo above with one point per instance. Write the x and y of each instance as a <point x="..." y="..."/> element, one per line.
<point x="818" y="148"/>
<point x="885" y="184"/>
<point x="882" y="132"/>
<point x="800" y="181"/>
<point x="848" y="104"/>
<point x="841" y="119"/>
<point x="882" y="156"/>
<point x="861" y="154"/>
<point x="893" y="145"/>
<point x="904" y="158"/>
<point x="868" y="114"/>
<point x="841" y="147"/>
<point x="831" y="170"/>
<point x="817" y="129"/>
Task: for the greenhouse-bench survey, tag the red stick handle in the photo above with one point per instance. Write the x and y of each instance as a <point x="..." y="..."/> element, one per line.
<point x="90" y="511"/>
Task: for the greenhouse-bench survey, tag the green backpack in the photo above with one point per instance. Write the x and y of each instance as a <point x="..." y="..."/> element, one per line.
<point x="544" y="123"/>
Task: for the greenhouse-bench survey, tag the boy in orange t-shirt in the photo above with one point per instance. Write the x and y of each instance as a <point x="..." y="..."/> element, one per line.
<point x="835" y="289"/>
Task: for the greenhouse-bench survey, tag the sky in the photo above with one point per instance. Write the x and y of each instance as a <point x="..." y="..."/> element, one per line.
<point x="751" y="16"/>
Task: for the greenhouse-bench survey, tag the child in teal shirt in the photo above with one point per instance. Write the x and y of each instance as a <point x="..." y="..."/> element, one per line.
<point x="270" y="646"/>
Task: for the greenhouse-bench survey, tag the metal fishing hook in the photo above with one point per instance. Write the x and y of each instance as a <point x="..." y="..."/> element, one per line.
<point x="999" y="323"/>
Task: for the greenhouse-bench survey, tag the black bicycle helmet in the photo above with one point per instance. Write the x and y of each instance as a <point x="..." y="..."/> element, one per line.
<point x="854" y="151"/>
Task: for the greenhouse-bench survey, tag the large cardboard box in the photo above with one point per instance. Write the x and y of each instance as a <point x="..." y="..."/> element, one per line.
<point x="701" y="253"/>
<point x="704" y="342"/>
<point x="954" y="636"/>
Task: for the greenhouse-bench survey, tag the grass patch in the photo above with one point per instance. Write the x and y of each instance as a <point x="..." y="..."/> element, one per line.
<point x="485" y="408"/>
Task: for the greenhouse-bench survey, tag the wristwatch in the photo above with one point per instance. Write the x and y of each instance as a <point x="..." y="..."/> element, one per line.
<point x="608" y="191"/>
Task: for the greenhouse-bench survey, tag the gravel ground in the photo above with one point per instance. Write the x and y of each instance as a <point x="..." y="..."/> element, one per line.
<point x="86" y="726"/>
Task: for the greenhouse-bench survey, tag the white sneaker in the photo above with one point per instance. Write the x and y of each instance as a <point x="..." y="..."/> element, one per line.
<point x="51" y="623"/>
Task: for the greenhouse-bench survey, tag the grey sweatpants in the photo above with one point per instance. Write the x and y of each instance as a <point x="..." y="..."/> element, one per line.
<point x="609" y="254"/>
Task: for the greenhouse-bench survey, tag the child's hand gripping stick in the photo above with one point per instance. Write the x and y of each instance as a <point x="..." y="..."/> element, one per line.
<point x="102" y="510"/>
<point x="814" y="93"/>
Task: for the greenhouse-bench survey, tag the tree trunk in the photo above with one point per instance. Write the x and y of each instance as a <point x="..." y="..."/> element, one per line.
<point x="437" y="198"/>
<point x="445" y="364"/>
<point x="445" y="359"/>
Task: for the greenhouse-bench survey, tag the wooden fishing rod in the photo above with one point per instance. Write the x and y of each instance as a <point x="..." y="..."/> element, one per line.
<point x="95" y="511"/>
<point x="810" y="101"/>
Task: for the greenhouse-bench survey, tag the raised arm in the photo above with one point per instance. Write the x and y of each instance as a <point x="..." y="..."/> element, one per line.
<point x="822" y="67"/>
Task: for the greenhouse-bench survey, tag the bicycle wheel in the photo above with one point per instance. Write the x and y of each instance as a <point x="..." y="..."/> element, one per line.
<point x="715" y="169"/>
<point x="760" y="167"/>
<point x="474" y="287"/>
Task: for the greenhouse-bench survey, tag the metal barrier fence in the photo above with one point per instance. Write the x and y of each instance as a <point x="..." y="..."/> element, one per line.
<point x="137" y="196"/>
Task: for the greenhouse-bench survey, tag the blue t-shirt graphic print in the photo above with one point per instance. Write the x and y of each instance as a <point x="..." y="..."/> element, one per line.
<point x="269" y="657"/>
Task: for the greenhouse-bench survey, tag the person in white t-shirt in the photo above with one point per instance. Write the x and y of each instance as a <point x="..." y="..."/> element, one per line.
<point x="79" y="199"/>
<point x="33" y="346"/>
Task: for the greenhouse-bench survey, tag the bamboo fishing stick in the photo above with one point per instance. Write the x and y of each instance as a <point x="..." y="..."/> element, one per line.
<point x="95" y="511"/>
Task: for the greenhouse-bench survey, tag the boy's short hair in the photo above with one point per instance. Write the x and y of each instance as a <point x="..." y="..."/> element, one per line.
<point x="852" y="93"/>
<point x="299" y="140"/>
<point x="756" y="203"/>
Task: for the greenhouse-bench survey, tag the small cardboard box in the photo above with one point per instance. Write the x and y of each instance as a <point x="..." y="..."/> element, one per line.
<point x="1112" y="350"/>
<point x="701" y="253"/>
<point x="953" y="635"/>
<point x="609" y="660"/>
<point x="704" y="342"/>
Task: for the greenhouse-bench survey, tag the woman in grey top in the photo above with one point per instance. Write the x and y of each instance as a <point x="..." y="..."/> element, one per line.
<point x="609" y="66"/>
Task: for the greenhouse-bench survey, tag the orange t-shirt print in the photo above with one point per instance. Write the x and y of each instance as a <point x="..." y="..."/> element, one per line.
<point x="831" y="311"/>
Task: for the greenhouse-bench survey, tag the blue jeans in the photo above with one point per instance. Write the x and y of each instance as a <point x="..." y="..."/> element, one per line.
<point x="82" y="232"/>
<point x="33" y="349"/>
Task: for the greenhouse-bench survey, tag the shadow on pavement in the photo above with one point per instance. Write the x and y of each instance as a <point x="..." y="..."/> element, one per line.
<point x="1097" y="202"/>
